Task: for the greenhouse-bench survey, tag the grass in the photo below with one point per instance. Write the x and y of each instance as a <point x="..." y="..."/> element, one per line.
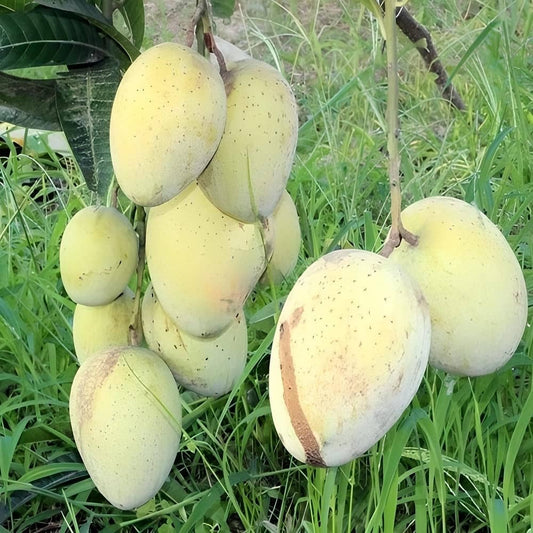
<point x="461" y="456"/>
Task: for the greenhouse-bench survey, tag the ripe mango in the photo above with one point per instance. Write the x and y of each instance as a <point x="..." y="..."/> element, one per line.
<point x="349" y="352"/>
<point x="167" y="120"/>
<point x="287" y="239"/>
<point x="209" y="366"/>
<point x="95" y="328"/>
<point x="472" y="281"/>
<point x="97" y="255"/>
<point x="125" y="413"/>
<point x="249" y="171"/>
<point x="202" y="263"/>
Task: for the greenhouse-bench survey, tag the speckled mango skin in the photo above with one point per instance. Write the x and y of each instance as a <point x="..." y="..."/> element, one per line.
<point x="209" y="366"/>
<point x="287" y="241"/>
<point x="472" y="281"/>
<point x="97" y="255"/>
<point x="125" y="414"/>
<point x="251" y="166"/>
<point x="95" y="328"/>
<point x="167" y="120"/>
<point x="349" y="353"/>
<point x="202" y="263"/>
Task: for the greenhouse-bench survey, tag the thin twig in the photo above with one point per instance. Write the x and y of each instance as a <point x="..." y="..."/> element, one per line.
<point x="423" y="42"/>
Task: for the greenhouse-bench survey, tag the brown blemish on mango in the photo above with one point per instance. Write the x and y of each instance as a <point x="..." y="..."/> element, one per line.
<point x="290" y="394"/>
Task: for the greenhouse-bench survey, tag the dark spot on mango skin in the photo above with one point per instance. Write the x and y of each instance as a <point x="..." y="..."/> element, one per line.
<point x="298" y="419"/>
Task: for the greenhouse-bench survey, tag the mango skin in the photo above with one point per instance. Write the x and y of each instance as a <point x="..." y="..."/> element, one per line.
<point x="249" y="171"/>
<point x="286" y="243"/>
<point x="208" y="366"/>
<point x="167" y="120"/>
<point x="97" y="255"/>
<point x="203" y="264"/>
<point x="97" y="327"/>
<point x="472" y="281"/>
<point x="349" y="353"/>
<point x="125" y="413"/>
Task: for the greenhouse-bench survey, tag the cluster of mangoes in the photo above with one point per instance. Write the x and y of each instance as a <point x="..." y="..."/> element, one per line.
<point x="206" y="151"/>
<point x="357" y="330"/>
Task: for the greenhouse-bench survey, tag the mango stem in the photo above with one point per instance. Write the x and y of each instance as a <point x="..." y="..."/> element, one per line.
<point x="397" y="231"/>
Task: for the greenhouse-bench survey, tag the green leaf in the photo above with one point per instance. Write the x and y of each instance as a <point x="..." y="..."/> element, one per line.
<point x="48" y="37"/>
<point x="84" y="100"/>
<point x="223" y="8"/>
<point x="133" y="13"/>
<point x="15" y="5"/>
<point x="28" y="103"/>
<point x="94" y="16"/>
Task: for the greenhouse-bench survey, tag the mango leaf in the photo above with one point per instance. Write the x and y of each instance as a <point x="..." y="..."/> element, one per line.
<point x="84" y="100"/>
<point x="223" y="8"/>
<point x="28" y="103"/>
<point x="95" y="17"/>
<point x="47" y="37"/>
<point x="133" y="13"/>
<point x="15" y="5"/>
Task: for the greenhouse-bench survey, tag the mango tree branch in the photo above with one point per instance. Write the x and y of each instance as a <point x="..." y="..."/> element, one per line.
<point x="397" y="231"/>
<point x="421" y="38"/>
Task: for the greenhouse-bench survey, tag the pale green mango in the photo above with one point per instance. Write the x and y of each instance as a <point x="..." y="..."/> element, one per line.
<point x="97" y="255"/>
<point x="125" y="413"/>
<point x="95" y="328"/>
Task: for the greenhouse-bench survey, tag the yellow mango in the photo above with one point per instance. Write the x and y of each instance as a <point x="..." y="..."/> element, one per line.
<point x="202" y="263"/>
<point x="251" y="166"/>
<point x="95" y="328"/>
<point x="287" y="239"/>
<point x="97" y="255"/>
<point x="209" y="366"/>
<point x="167" y="120"/>
<point x="125" y="413"/>
<point x="472" y="281"/>
<point x="348" y="355"/>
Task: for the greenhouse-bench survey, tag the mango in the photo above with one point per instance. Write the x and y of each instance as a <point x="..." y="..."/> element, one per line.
<point x="249" y="171"/>
<point x="472" y="281"/>
<point x="125" y="413"/>
<point x="350" y="349"/>
<point x="207" y="366"/>
<point x="166" y="122"/>
<point x="95" y="328"/>
<point x="97" y="255"/>
<point x="203" y="264"/>
<point x="287" y="239"/>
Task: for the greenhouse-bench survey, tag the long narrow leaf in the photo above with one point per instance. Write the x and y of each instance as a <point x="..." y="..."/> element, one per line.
<point x="28" y="103"/>
<point x="47" y="37"/>
<point x="84" y="100"/>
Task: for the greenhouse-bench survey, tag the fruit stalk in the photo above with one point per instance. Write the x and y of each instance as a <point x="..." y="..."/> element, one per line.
<point x="397" y="231"/>
<point x="202" y="26"/>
